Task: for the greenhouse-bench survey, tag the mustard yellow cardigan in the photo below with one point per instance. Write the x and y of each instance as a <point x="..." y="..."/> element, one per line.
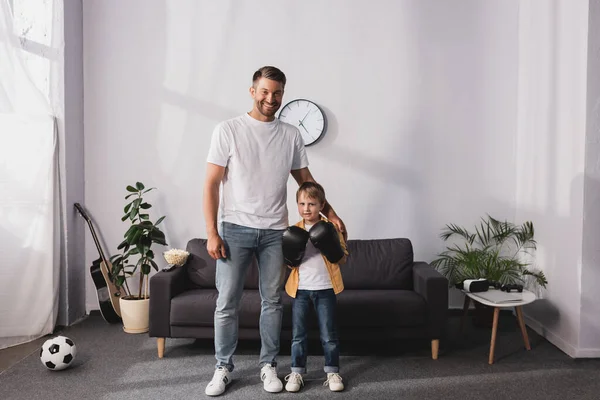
<point x="291" y="286"/>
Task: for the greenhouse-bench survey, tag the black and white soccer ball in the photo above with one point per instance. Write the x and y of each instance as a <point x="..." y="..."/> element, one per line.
<point x="58" y="353"/>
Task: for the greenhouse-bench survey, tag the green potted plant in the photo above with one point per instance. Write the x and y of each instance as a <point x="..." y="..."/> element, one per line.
<point x="499" y="251"/>
<point x="136" y="259"/>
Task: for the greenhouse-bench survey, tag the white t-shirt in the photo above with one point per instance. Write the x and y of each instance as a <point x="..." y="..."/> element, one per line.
<point x="312" y="273"/>
<point x="258" y="157"/>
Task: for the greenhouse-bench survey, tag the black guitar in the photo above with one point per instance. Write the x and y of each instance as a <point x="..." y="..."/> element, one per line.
<point x="106" y="291"/>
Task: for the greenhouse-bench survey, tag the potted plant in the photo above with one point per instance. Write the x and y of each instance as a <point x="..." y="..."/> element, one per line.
<point x="136" y="259"/>
<point x="498" y="251"/>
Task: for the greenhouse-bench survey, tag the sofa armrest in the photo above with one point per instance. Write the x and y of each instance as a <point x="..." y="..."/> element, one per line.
<point x="433" y="287"/>
<point x="163" y="287"/>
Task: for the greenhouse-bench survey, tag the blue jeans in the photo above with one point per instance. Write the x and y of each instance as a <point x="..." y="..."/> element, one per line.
<point x="324" y="302"/>
<point x="241" y="244"/>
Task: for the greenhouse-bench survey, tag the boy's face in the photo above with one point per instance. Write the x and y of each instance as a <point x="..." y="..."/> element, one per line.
<point x="309" y="209"/>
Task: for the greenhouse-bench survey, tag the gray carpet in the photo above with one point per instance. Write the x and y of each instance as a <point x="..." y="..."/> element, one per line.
<point x="111" y="364"/>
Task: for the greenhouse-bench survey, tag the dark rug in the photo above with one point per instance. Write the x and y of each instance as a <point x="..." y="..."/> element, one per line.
<point x="111" y="364"/>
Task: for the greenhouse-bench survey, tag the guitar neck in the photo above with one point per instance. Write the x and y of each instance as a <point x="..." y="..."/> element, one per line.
<point x="89" y="222"/>
<point x="97" y="242"/>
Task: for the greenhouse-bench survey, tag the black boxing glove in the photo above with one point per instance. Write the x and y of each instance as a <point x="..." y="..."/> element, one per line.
<point x="294" y="245"/>
<point x="324" y="237"/>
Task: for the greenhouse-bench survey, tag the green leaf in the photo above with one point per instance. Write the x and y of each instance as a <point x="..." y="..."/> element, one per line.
<point x="453" y="229"/>
<point x="145" y="206"/>
<point x="146" y="269"/>
<point x="157" y="233"/>
<point x="119" y="281"/>
<point x="129" y="231"/>
<point x="158" y="237"/>
<point x="129" y="195"/>
<point x="139" y="185"/>
<point x="159" y="221"/>
<point x="135" y="208"/>
<point x="154" y="265"/>
<point x="147" y="190"/>
<point x="124" y="217"/>
<point x="131" y="189"/>
<point x="144" y="216"/>
<point x="143" y="244"/>
<point x="127" y="207"/>
<point x="134" y="236"/>
<point x="122" y="245"/>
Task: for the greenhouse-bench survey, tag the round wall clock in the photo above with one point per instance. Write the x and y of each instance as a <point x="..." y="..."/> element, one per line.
<point x="307" y="117"/>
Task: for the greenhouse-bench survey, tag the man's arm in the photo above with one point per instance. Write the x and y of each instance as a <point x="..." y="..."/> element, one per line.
<point x="212" y="183"/>
<point x="303" y="175"/>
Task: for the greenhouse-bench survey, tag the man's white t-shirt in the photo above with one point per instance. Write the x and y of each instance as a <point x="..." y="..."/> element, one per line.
<point x="312" y="273"/>
<point x="258" y="157"/>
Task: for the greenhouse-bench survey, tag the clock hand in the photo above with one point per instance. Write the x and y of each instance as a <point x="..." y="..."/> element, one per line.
<point x="302" y="125"/>
<point x="304" y="117"/>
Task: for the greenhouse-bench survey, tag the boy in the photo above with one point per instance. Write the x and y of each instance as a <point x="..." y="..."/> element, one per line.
<point x="314" y="258"/>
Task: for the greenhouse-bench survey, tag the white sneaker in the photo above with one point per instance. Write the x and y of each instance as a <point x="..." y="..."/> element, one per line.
<point x="271" y="382"/>
<point x="219" y="381"/>
<point x="294" y="382"/>
<point x="334" y="380"/>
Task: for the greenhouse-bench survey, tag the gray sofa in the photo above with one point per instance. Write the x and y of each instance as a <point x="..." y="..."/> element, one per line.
<point x="385" y="292"/>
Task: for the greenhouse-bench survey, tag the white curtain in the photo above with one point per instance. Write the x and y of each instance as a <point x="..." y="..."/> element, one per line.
<point x="29" y="235"/>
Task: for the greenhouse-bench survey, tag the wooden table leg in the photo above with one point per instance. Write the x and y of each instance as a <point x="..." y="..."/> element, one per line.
<point x="465" y="310"/>
<point x="494" y="330"/>
<point x="435" y="347"/>
<point x="160" y="342"/>
<point x="519" y="311"/>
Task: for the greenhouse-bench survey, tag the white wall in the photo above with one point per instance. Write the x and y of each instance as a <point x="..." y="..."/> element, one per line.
<point x="589" y="338"/>
<point x="420" y="95"/>
<point x="438" y="112"/>
<point x="551" y="160"/>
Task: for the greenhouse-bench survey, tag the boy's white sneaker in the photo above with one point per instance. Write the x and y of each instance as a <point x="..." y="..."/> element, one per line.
<point x="294" y="382"/>
<point x="334" y="381"/>
<point x="218" y="383"/>
<point x="271" y="383"/>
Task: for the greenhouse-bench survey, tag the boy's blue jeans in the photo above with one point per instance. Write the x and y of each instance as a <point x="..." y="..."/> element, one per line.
<point x="241" y="243"/>
<point x="324" y="302"/>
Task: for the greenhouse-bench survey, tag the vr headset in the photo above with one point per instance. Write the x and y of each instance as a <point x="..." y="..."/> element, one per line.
<point x="476" y="285"/>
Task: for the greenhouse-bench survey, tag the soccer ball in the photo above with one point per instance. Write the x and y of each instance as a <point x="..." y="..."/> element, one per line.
<point x="57" y="353"/>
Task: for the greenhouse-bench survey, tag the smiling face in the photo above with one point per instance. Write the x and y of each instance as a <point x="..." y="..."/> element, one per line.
<point x="267" y="95"/>
<point x="309" y="208"/>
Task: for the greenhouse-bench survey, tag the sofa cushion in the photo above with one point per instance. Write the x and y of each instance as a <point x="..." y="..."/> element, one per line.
<point x="196" y="307"/>
<point x="201" y="267"/>
<point x="378" y="264"/>
<point x="380" y="308"/>
<point x="355" y="308"/>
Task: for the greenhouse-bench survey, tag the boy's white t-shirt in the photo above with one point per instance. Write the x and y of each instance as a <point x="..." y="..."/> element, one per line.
<point x="258" y="157"/>
<point x="312" y="273"/>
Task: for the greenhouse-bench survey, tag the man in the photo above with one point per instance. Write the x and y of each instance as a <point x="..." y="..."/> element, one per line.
<point x="252" y="156"/>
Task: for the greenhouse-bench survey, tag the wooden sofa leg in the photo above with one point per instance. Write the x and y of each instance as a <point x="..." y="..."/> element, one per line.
<point x="161" y="346"/>
<point x="435" y="346"/>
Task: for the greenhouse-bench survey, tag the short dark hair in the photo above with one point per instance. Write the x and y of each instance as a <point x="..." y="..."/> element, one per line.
<point x="312" y="190"/>
<point x="272" y="73"/>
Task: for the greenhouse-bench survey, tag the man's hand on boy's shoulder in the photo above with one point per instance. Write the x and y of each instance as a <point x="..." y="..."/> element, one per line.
<point x="339" y="224"/>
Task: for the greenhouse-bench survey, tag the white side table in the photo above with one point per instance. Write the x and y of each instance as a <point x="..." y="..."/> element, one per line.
<point x="528" y="297"/>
